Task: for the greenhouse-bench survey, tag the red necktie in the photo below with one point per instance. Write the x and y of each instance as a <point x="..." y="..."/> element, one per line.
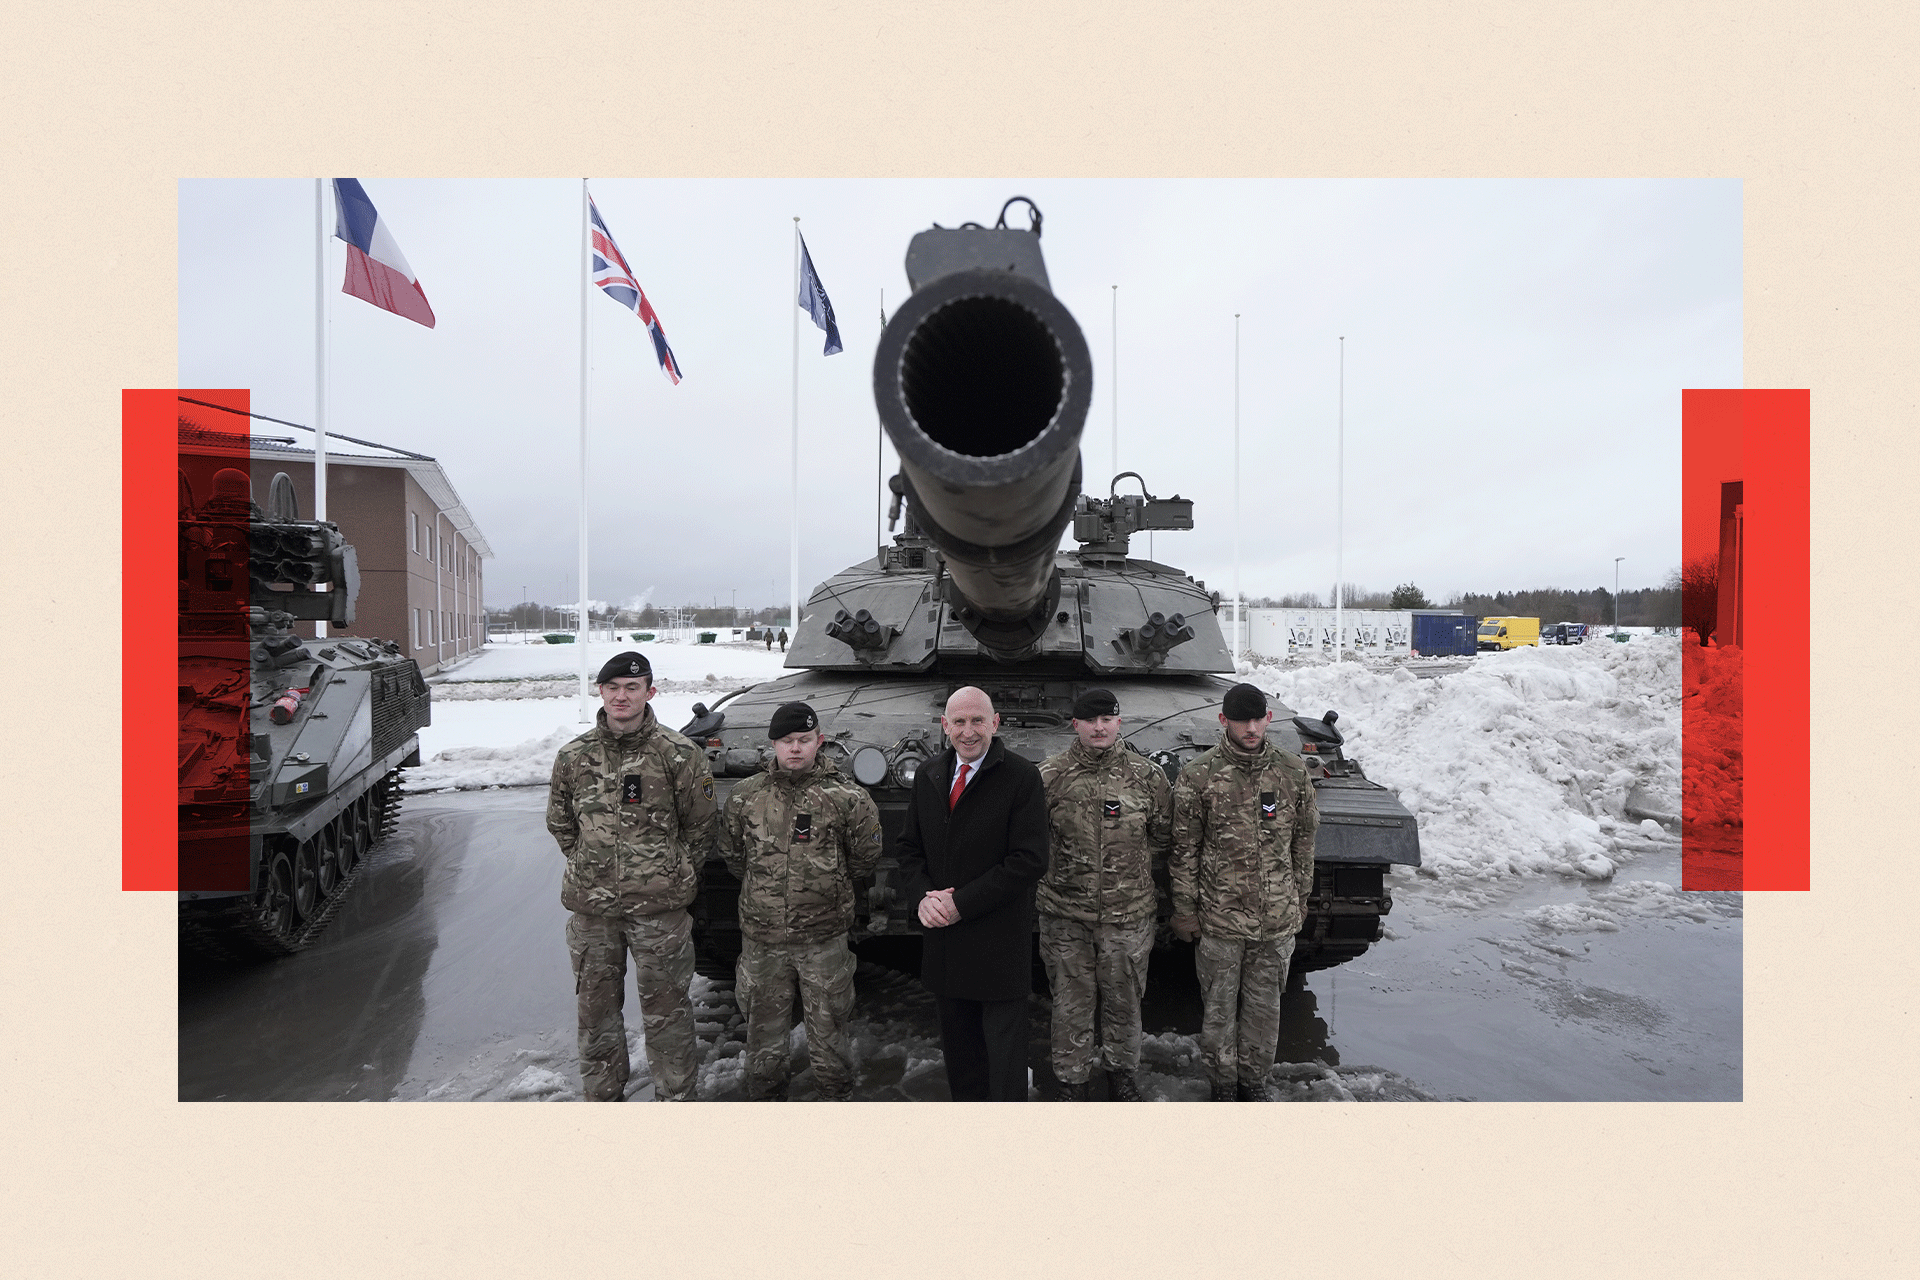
<point x="959" y="785"/>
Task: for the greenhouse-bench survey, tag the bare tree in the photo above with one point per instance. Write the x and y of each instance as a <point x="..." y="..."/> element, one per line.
<point x="1700" y="596"/>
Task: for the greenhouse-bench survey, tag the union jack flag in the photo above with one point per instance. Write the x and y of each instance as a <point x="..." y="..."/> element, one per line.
<point x="612" y="274"/>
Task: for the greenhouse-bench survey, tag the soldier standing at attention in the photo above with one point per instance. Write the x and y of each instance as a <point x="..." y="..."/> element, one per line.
<point x="797" y="837"/>
<point x="631" y="803"/>
<point x="974" y="843"/>
<point x="1242" y="868"/>
<point x="1111" y="811"/>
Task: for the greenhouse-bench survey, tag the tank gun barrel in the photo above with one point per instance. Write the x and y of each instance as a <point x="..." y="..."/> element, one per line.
<point x="982" y="379"/>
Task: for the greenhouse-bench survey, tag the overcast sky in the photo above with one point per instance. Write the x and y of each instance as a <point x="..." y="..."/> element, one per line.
<point x="1515" y="352"/>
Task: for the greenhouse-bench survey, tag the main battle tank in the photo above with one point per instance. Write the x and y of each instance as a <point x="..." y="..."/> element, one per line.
<point x="982" y="380"/>
<point x="290" y="748"/>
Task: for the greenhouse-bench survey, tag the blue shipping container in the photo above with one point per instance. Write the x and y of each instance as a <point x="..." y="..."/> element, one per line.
<point x="1443" y="633"/>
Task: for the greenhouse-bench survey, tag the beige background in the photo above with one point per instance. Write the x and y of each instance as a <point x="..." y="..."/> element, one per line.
<point x="107" y="105"/>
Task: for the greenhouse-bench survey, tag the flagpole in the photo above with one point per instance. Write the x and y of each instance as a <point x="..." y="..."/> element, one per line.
<point x="586" y="282"/>
<point x="879" y="446"/>
<point x="319" y="362"/>
<point x="1340" y="515"/>
<point x="1114" y="379"/>
<point x="1237" y="608"/>
<point x="793" y="535"/>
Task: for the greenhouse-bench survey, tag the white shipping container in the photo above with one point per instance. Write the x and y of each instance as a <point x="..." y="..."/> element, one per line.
<point x="1281" y="633"/>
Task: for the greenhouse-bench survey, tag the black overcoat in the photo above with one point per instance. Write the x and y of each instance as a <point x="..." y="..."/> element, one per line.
<point x="991" y="850"/>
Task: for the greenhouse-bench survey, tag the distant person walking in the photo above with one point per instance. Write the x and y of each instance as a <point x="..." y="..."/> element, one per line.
<point x="783" y="639"/>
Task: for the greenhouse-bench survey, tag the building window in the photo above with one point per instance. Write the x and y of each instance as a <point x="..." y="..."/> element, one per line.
<point x="416" y="628"/>
<point x="413" y="541"/>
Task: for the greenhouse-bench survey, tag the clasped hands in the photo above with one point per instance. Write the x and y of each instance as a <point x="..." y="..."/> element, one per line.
<point x="937" y="909"/>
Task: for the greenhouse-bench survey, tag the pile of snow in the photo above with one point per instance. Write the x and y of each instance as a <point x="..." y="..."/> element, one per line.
<point x="1714" y="770"/>
<point x="1522" y="763"/>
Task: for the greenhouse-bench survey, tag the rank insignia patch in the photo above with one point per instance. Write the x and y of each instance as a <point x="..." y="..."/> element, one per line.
<point x="630" y="789"/>
<point x="1113" y="808"/>
<point x="802" y="828"/>
<point x="1269" y="807"/>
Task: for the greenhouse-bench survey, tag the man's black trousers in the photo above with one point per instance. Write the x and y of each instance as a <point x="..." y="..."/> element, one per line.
<point x="985" y="1042"/>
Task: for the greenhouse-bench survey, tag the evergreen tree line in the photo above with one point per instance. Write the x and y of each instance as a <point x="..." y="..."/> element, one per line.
<point x="1643" y="607"/>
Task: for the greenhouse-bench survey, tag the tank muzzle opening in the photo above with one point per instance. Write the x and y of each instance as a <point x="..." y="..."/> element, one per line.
<point x="982" y="376"/>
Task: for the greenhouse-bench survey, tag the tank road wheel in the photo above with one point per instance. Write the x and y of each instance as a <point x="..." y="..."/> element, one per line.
<point x="277" y="914"/>
<point x="326" y="864"/>
<point x="348" y="824"/>
<point x="306" y="878"/>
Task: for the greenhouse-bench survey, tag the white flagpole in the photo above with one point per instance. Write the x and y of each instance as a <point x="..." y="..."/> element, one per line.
<point x="879" y="447"/>
<point x="586" y="283"/>
<point x="319" y="361"/>
<point x="1237" y="645"/>
<point x="793" y="536"/>
<point x="1340" y="515"/>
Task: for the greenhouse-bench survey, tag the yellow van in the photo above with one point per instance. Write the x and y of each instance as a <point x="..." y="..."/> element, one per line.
<point x="1507" y="633"/>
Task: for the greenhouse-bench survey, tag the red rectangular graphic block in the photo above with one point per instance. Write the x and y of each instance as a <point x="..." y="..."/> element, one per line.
<point x="1744" y="538"/>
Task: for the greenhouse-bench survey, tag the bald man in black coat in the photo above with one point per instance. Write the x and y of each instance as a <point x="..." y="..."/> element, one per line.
<point x="972" y="850"/>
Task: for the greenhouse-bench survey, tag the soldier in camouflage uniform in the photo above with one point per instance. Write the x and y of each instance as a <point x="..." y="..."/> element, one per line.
<point x="631" y="803"/>
<point x="797" y="837"/>
<point x="1110" y="812"/>
<point x="1242" y="868"/>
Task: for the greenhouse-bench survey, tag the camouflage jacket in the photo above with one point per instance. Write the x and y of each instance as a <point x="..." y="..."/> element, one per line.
<point x="634" y="813"/>
<point x="1243" y="825"/>
<point x="797" y="842"/>
<point x="1109" y="816"/>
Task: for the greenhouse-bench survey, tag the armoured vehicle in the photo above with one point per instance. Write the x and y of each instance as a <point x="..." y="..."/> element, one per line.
<point x="290" y="748"/>
<point x="982" y="379"/>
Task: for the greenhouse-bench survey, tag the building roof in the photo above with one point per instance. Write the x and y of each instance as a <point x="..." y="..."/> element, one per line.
<point x="345" y="451"/>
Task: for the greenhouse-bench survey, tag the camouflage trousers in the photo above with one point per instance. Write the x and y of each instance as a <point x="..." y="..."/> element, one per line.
<point x="763" y="986"/>
<point x="1240" y="983"/>
<point x="1095" y="967"/>
<point x="662" y="948"/>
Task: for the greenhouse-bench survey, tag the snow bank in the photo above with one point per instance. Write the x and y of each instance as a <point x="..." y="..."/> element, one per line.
<point x="1522" y="763"/>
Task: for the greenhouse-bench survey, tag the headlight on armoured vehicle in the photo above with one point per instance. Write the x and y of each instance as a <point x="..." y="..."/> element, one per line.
<point x="869" y="766"/>
<point x="905" y="768"/>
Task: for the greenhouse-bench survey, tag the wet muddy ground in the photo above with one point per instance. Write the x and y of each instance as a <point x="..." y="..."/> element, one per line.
<point x="444" y="977"/>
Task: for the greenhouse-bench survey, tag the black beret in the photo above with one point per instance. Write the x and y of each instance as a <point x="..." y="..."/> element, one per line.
<point x="791" y="717"/>
<point x="1094" y="703"/>
<point x="1244" y="702"/>
<point x="631" y="665"/>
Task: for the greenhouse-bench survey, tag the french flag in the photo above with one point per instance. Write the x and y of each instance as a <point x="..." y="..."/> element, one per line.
<point x="376" y="269"/>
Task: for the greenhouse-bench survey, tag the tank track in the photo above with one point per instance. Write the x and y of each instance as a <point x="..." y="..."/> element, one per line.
<point x="240" y="933"/>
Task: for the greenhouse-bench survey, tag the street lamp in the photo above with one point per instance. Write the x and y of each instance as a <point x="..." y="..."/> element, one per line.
<point x="1616" y="598"/>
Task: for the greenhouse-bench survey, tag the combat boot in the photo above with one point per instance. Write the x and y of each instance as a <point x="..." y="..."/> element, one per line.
<point x="1244" y="1092"/>
<point x="1222" y="1092"/>
<point x="1075" y="1091"/>
<point x="1121" y="1087"/>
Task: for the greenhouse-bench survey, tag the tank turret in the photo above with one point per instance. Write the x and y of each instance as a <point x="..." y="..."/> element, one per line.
<point x="290" y="747"/>
<point x="982" y="381"/>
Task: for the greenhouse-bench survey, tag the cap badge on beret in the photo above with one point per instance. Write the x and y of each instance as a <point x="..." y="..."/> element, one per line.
<point x="791" y="717"/>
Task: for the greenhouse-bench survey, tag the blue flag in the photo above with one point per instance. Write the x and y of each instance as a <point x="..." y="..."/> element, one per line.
<point x="813" y="300"/>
